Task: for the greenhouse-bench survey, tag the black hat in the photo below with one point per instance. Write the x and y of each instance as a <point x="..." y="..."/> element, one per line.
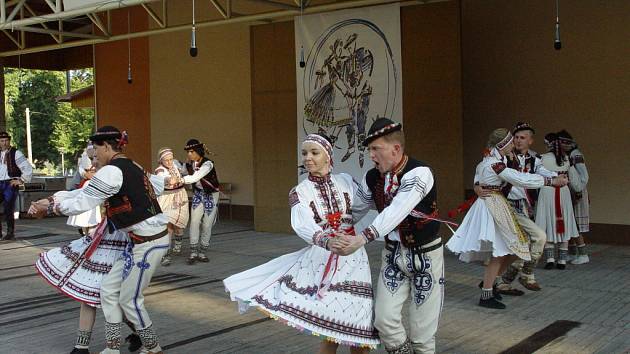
<point x="5" y="135"/>
<point x="107" y="132"/>
<point x="520" y="126"/>
<point x="193" y="144"/>
<point x="381" y="127"/>
<point x="565" y="136"/>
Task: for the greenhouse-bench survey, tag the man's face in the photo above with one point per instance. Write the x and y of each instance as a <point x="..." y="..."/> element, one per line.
<point x="5" y="143"/>
<point x="102" y="155"/>
<point x="193" y="155"/>
<point x="523" y="140"/>
<point x="383" y="154"/>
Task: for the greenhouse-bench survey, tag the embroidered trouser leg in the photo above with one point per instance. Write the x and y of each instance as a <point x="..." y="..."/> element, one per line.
<point x="126" y="296"/>
<point x="208" y="222"/>
<point x="537" y="239"/>
<point x="197" y="214"/>
<point x="422" y="290"/>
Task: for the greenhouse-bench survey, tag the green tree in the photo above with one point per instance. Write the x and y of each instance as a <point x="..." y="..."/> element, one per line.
<point x="55" y="127"/>
<point x="72" y="130"/>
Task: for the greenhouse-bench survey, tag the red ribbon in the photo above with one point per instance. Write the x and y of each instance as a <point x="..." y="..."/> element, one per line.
<point x="559" y="217"/>
<point x="96" y="240"/>
<point x="334" y="221"/>
<point x="462" y="207"/>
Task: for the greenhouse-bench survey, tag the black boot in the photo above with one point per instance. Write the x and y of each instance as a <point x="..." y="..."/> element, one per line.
<point x="80" y="351"/>
<point x="10" y="229"/>
<point x="134" y="342"/>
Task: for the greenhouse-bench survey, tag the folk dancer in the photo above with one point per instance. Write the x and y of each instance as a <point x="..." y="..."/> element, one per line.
<point x="130" y="197"/>
<point x="554" y="212"/>
<point x="404" y="192"/>
<point x="523" y="201"/>
<point x="173" y="202"/>
<point x="579" y="196"/>
<point x="490" y="228"/>
<point x="15" y="170"/>
<point x="201" y="173"/>
<point x="313" y="289"/>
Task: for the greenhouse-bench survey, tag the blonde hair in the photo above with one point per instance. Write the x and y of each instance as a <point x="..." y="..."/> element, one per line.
<point x="496" y="136"/>
<point x="395" y="137"/>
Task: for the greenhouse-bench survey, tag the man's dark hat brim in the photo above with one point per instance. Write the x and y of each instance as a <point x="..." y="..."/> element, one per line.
<point x="381" y="127"/>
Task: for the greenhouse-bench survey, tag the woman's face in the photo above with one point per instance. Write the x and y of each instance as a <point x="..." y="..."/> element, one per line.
<point x="508" y="148"/>
<point x="193" y="155"/>
<point x="167" y="161"/>
<point x="315" y="159"/>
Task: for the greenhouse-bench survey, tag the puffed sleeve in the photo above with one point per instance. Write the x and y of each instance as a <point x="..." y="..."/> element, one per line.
<point x="303" y="220"/>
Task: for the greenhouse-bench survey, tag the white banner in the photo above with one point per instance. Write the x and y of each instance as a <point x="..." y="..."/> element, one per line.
<point x="348" y="74"/>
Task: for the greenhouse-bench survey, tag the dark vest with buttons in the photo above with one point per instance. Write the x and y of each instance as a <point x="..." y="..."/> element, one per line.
<point x="209" y="182"/>
<point x="135" y="201"/>
<point x="414" y="232"/>
<point x="12" y="168"/>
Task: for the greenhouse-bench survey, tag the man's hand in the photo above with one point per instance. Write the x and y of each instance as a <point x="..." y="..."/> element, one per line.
<point x="89" y="173"/>
<point x="352" y="243"/>
<point x="15" y="183"/>
<point x="480" y="192"/>
<point x="39" y="209"/>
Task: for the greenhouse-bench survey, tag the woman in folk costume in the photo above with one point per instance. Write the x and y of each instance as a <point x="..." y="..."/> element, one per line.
<point x="76" y="269"/>
<point x="554" y="211"/>
<point x="313" y="289"/>
<point x="489" y="229"/>
<point x="174" y="201"/>
<point x="90" y="218"/>
<point x="579" y="195"/>
<point x="202" y="175"/>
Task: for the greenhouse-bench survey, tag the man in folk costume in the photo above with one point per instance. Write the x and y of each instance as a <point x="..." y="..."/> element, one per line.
<point x="130" y="198"/>
<point x="579" y="196"/>
<point x="203" y="177"/>
<point x="523" y="201"/>
<point x="15" y="170"/>
<point x="404" y="193"/>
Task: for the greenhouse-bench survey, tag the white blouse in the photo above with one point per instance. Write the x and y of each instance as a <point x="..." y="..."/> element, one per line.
<point x="106" y="182"/>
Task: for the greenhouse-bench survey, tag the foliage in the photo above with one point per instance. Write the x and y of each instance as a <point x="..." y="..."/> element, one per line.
<point x="55" y="127"/>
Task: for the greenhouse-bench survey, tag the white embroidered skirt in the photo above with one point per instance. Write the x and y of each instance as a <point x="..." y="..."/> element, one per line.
<point x="546" y="214"/>
<point x="582" y="213"/>
<point x="174" y="204"/>
<point x="69" y="270"/>
<point x="480" y="236"/>
<point x="289" y="289"/>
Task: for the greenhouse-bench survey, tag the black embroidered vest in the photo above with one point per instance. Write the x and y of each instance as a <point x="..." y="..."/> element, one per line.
<point x="414" y="232"/>
<point x="209" y="182"/>
<point x="135" y="201"/>
<point x="12" y="168"/>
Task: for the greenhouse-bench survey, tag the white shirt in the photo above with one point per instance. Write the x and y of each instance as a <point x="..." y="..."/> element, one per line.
<point x="518" y="192"/>
<point x="310" y="205"/>
<point x="199" y="173"/>
<point x="413" y="187"/>
<point x="21" y="162"/>
<point x="491" y="171"/>
<point x="579" y="183"/>
<point x="106" y="182"/>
